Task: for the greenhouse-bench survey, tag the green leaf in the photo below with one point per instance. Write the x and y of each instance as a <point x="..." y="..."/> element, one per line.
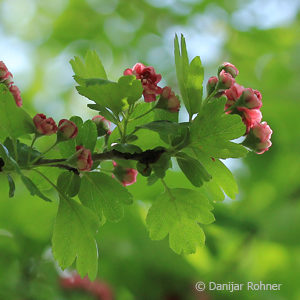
<point x="29" y="184"/>
<point x="69" y="182"/>
<point x="170" y="132"/>
<point x="194" y="84"/>
<point x="103" y="112"/>
<point x="77" y="120"/>
<point x="14" y="121"/>
<point x="162" y="165"/>
<point x="177" y="212"/>
<point x="192" y="169"/>
<point x="87" y="135"/>
<point x="126" y="148"/>
<point x="91" y="67"/>
<point x="106" y="95"/>
<point x="131" y="88"/>
<point x="212" y="131"/>
<point x="74" y="237"/>
<point x="12" y="186"/>
<point x="152" y="179"/>
<point x="104" y="195"/>
<point x="24" y="152"/>
<point x="190" y="77"/>
<point x="9" y="162"/>
<point x="67" y="148"/>
<point x="162" y="114"/>
<point x="33" y="189"/>
<point x="222" y="179"/>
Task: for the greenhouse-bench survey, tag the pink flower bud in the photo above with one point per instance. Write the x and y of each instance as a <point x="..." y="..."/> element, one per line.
<point x="225" y="80"/>
<point x="17" y="96"/>
<point x="67" y="129"/>
<point x="44" y="125"/>
<point x="233" y="94"/>
<point x="229" y="68"/>
<point x="84" y="159"/>
<point x="168" y="100"/>
<point x="250" y="117"/>
<point x="149" y="80"/>
<point x="103" y="125"/>
<point x="252" y="98"/>
<point x="4" y="73"/>
<point x="8" y="81"/>
<point x="128" y="72"/>
<point x="259" y="137"/>
<point x="126" y="175"/>
<point x="211" y="84"/>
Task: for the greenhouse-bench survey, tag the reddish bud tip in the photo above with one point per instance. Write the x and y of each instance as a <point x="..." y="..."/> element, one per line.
<point x="211" y="84"/>
<point x="44" y="125"/>
<point x="84" y="159"/>
<point x="16" y="94"/>
<point x="225" y="80"/>
<point x="103" y="125"/>
<point x="127" y="176"/>
<point x="252" y="98"/>
<point x="259" y="137"/>
<point x="250" y="117"/>
<point x="67" y="129"/>
<point x="168" y="100"/>
<point x="229" y="68"/>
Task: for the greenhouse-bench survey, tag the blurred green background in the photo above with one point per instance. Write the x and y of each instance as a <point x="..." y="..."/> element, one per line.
<point x="255" y="237"/>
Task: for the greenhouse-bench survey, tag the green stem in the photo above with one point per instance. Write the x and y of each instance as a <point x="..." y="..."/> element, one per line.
<point x="50" y="182"/>
<point x="31" y="148"/>
<point x="123" y="138"/>
<point x="142" y="115"/>
<point x="168" y="190"/>
<point x="210" y="96"/>
<point x="126" y="120"/>
<point x="119" y="129"/>
<point x="15" y="149"/>
<point x="42" y="154"/>
<point x="47" y="179"/>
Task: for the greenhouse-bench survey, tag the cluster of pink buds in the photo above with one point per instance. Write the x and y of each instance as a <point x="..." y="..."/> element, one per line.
<point x="103" y="125"/>
<point x="46" y="126"/>
<point x="97" y="288"/>
<point x="243" y="101"/>
<point x="127" y="176"/>
<point x="149" y="80"/>
<point x="6" y="78"/>
<point x="67" y="130"/>
<point x="168" y="100"/>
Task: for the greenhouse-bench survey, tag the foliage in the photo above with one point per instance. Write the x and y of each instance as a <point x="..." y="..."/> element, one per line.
<point x="176" y="212"/>
<point x="253" y="239"/>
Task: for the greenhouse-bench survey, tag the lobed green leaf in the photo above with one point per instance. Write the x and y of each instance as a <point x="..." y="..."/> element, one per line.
<point x="177" y="212"/>
<point x="91" y="67"/>
<point x="104" y="195"/>
<point x="212" y="131"/>
<point x="74" y="237"/>
<point x="192" y="169"/>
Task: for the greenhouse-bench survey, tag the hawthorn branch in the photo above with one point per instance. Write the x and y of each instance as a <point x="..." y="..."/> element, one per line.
<point x="147" y="157"/>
